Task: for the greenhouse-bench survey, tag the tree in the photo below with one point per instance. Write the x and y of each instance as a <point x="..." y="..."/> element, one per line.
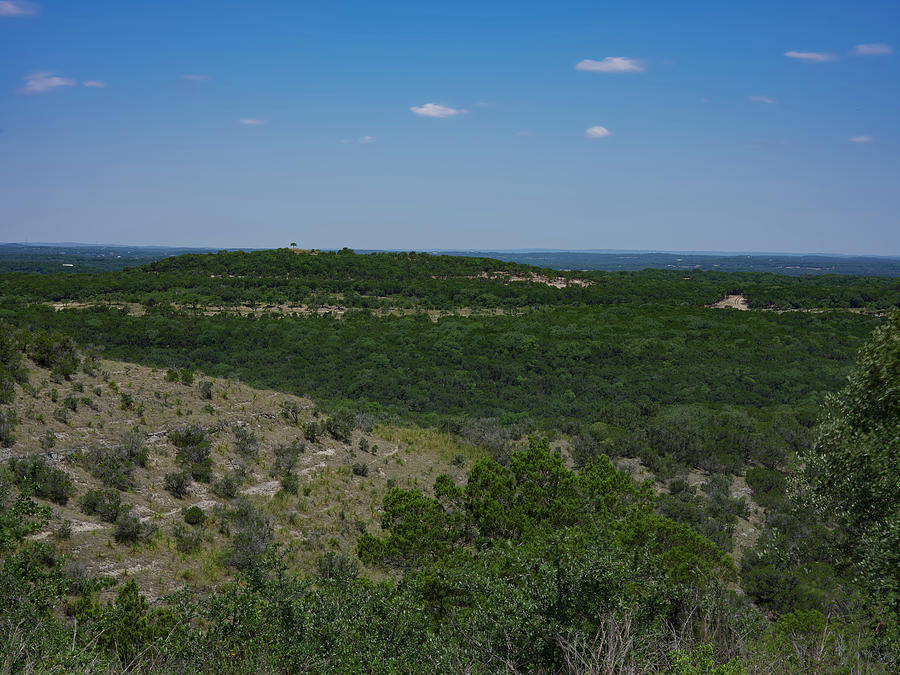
<point x="852" y="471"/>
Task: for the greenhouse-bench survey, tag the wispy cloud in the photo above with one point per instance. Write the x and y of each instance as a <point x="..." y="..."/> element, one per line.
<point x="611" y="64"/>
<point x="367" y="139"/>
<point x="865" y="138"/>
<point x="812" y="57"/>
<point x="252" y="122"/>
<point x="93" y="83"/>
<point x="18" y="8"/>
<point x="39" y="83"/>
<point x="195" y="78"/>
<point x="437" y="110"/>
<point x="597" y="132"/>
<point x="761" y="99"/>
<point x="873" y="49"/>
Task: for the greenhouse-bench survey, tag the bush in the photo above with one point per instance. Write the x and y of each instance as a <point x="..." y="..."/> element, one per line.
<point x="177" y="483"/>
<point x="290" y="483"/>
<point x="360" y="469"/>
<point x="8" y="422"/>
<point x="187" y="540"/>
<point x="193" y="451"/>
<point x="45" y="481"/>
<point x="341" y="425"/>
<point x="115" y="465"/>
<point x="188" y="435"/>
<point x="55" y="352"/>
<point x="187" y="377"/>
<point x="311" y="431"/>
<point x="63" y="530"/>
<point x="129" y="529"/>
<point x="227" y="487"/>
<point x="251" y="534"/>
<point x="290" y="410"/>
<point x="245" y="442"/>
<point x="286" y="457"/>
<point x="194" y="516"/>
<point x="337" y="566"/>
<point x="769" y="487"/>
<point x="103" y="503"/>
<point x="71" y="403"/>
<point x="206" y="390"/>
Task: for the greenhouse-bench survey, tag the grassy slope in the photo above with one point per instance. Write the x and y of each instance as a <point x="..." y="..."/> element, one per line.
<point x="331" y="508"/>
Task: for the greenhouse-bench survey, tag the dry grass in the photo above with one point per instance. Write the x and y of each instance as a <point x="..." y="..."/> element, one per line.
<point x="332" y="507"/>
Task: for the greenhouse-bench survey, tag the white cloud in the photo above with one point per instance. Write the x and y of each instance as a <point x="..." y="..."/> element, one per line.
<point x="873" y="49"/>
<point x="611" y="64"/>
<point x="761" y="99"/>
<point x="436" y="110"/>
<point x="862" y="139"/>
<point x="17" y="8"/>
<point x="39" y="83"/>
<point x="367" y="139"/>
<point x="93" y="83"/>
<point x="597" y="132"/>
<point x="252" y="122"/>
<point x="812" y="57"/>
<point x="195" y="78"/>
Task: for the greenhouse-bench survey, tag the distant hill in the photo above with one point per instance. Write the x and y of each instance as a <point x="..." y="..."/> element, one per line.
<point x="629" y="261"/>
<point x="72" y="257"/>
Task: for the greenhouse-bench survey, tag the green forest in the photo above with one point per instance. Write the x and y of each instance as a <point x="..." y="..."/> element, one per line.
<point x="547" y="555"/>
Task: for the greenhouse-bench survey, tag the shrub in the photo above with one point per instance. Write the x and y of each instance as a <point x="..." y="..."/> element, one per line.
<point x="63" y="530"/>
<point x="360" y="469"/>
<point x="290" y="483"/>
<point x="103" y="503"/>
<point x="47" y="482"/>
<point x="334" y="565"/>
<point x="8" y="422"/>
<point x="171" y="375"/>
<point x="115" y="465"/>
<point x="194" y="516"/>
<point x="286" y="457"/>
<point x="769" y="486"/>
<point x="177" y="483"/>
<point x="191" y="434"/>
<point x="127" y="401"/>
<point x="187" y="377"/>
<point x="193" y="451"/>
<point x="206" y="389"/>
<point x="61" y="415"/>
<point x="130" y="529"/>
<point x="251" y="534"/>
<point x="311" y="431"/>
<point x="187" y="539"/>
<point x="58" y="353"/>
<point x="245" y="442"/>
<point x="340" y="425"/>
<point x="227" y="486"/>
<point x="71" y="402"/>
<point x="290" y="410"/>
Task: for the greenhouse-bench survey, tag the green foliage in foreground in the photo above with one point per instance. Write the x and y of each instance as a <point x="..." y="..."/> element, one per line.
<point x="854" y="468"/>
<point x="527" y="568"/>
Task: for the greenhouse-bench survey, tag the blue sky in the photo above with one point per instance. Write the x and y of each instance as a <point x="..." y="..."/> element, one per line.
<point x="683" y="126"/>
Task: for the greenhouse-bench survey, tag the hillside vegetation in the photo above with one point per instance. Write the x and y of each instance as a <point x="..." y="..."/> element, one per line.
<point x="600" y="474"/>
